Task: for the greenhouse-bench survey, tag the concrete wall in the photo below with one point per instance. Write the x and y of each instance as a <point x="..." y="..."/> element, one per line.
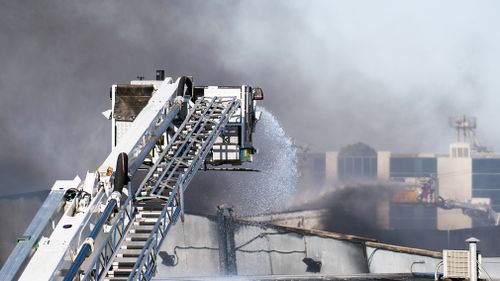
<point x="379" y="259"/>
<point x="383" y="173"/>
<point x="200" y="235"/>
<point x="491" y="266"/>
<point x="383" y="215"/>
<point x="331" y="166"/>
<point x="383" y="165"/>
<point x="276" y="253"/>
<point x="269" y="250"/>
<point x="455" y="183"/>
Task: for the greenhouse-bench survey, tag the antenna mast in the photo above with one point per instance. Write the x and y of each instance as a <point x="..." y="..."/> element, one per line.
<point x="465" y="128"/>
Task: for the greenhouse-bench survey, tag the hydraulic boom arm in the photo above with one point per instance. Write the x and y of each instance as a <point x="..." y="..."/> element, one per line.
<point x="111" y="225"/>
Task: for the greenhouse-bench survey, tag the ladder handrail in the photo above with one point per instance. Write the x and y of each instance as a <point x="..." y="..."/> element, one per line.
<point x="108" y="249"/>
<point x="189" y="139"/>
<point x="169" y="145"/>
<point x="179" y="149"/>
<point x="179" y="187"/>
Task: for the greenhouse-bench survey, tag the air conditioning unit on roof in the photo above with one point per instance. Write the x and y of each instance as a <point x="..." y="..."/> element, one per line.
<point x="456" y="264"/>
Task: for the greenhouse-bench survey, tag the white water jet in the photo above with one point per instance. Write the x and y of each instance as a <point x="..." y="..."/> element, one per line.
<point x="252" y="193"/>
<point x="273" y="187"/>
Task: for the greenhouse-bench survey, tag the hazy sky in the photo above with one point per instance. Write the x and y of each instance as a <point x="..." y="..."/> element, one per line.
<point x="388" y="73"/>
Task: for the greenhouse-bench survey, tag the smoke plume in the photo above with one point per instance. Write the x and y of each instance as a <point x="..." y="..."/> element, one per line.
<point x="334" y="72"/>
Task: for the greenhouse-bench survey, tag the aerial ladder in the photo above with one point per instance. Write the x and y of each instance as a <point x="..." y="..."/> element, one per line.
<point x="482" y="212"/>
<point x="110" y="226"/>
<point x="424" y="191"/>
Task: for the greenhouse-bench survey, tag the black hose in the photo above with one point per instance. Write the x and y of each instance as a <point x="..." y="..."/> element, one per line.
<point x="185" y="81"/>
<point x="121" y="174"/>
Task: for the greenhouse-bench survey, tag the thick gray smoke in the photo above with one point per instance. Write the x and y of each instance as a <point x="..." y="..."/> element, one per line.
<point x="352" y="208"/>
<point x="335" y="72"/>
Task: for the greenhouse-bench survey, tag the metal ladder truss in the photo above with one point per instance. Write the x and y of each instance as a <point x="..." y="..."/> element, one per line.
<point x="120" y="225"/>
<point x="209" y="130"/>
<point x="129" y="250"/>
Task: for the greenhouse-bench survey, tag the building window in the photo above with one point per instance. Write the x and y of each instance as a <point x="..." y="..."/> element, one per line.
<point x="486" y="180"/>
<point x="357" y="161"/>
<point x="417" y="167"/>
<point x="412" y="216"/>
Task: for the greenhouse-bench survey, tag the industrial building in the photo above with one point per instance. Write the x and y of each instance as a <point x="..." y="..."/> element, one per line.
<point x="468" y="174"/>
<point x="463" y="177"/>
<point x="260" y="251"/>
